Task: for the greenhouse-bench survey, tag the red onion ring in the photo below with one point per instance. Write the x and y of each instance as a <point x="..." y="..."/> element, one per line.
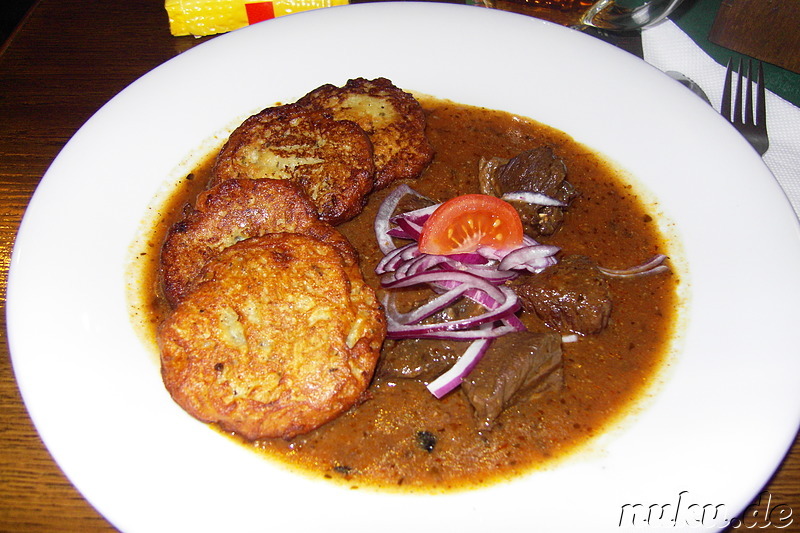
<point x="394" y="258"/>
<point x="417" y="216"/>
<point x="453" y="377"/>
<point x="534" y="258"/>
<point x="492" y="332"/>
<point x="535" y="198"/>
<point x="381" y="225"/>
<point x="652" y="266"/>
<point x="425" y="310"/>
<point x="499" y="294"/>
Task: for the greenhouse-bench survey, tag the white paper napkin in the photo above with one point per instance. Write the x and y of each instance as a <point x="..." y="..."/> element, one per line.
<point x="667" y="47"/>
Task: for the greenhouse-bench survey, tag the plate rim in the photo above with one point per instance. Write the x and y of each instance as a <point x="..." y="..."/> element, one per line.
<point x="50" y="181"/>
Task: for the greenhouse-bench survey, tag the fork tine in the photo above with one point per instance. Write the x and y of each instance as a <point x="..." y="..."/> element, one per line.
<point x="748" y="105"/>
<point x="761" y="113"/>
<point x="725" y="106"/>
<point x="737" y="101"/>
<point x="754" y="130"/>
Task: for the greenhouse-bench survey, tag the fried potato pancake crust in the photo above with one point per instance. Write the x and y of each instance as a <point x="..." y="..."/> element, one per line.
<point x="279" y="337"/>
<point x="232" y="211"/>
<point x="393" y="119"/>
<point x="331" y="160"/>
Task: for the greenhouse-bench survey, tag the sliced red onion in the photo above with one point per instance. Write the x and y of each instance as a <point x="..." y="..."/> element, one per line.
<point x="476" y="295"/>
<point x="512" y="320"/>
<point x="652" y="266"/>
<point x="535" y="198"/>
<point x="406" y="229"/>
<point x="503" y="310"/>
<point x="400" y="233"/>
<point x="534" y="258"/>
<point x="392" y="260"/>
<point x="452" y="378"/>
<point x="472" y="258"/>
<point x="503" y="302"/>
<point x="498" y="294"/>
<point x="386" y="210"/>
<point x="495" y="330"/>
<point x="417" y="216"/>
<point x="481" y="298"/>
<point x="441" y="302"/>
<point x="489" y="273"/>
<point x="427" y="263"/>
<point x="415" y="265"/>
<point x="490" y="253"/>
<point x="515" y="323"/>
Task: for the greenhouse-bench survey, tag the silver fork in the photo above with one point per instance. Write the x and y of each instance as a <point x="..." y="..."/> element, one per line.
<point x="754" y="130"/>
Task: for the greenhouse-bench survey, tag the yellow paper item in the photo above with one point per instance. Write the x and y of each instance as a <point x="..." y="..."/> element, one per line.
<point x="208" y="17"/>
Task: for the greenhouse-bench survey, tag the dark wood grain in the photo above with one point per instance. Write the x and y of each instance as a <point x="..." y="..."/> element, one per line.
<point x="67" y="60"/>
<point x="62" y="65"/>
<point x="764" y="29"/>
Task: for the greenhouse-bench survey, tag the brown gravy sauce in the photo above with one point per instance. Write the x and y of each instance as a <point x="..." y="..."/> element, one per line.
<point x="378" y="444"/>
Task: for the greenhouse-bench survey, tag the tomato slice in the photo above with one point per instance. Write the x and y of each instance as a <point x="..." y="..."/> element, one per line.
<point x="465" y="222"/>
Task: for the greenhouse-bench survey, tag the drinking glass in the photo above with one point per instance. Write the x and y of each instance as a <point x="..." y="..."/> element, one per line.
<point x="610" y="15"/>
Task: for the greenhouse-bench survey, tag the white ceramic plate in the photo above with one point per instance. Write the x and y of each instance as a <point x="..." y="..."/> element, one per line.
<point x="713" y="433"/>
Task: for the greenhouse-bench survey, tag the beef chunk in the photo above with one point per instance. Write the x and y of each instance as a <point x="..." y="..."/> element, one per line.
<point x="572" y="296"/>
<point x="422" y="359"/>
<point x="534" y="170"/>
<point x="517" y="366"/>
<point x="538" y="170"/>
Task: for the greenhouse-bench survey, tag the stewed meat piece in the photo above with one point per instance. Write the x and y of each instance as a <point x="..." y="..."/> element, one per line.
<point x="534" y="170"/>
<point x="420" y="359"/>
<point x="538" y="170"/>
<point x="572" y="296"/>
<point x="518" y="366"/>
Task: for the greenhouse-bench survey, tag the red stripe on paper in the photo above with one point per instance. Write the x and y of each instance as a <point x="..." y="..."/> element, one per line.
<point x="258" y="11"/>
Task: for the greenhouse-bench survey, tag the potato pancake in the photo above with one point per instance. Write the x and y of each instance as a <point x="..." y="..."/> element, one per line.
<point x="279" y="336"/>
<point x="331" y="160"/>
<point x="393" y="119"/>
<point x="232" y="211"/>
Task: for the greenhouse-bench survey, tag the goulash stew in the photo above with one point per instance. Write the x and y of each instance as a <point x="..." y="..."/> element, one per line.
<point x="408" y="293"/>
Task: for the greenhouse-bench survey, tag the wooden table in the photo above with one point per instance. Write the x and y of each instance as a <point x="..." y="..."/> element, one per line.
<point x="67" y="59"/>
